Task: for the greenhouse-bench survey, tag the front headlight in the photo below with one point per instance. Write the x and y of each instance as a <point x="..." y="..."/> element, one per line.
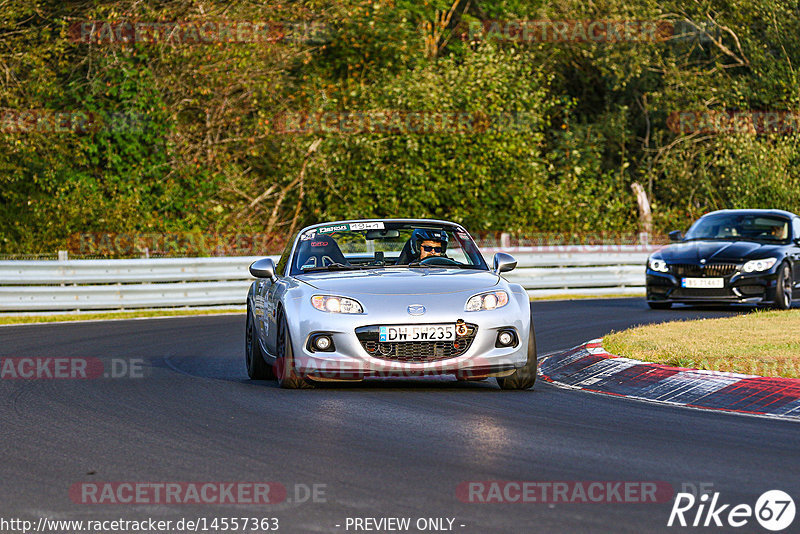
<point x="490" y="300"/>
<point x="759" y="265"/>
<point x="658" y="264"/>
<point x="334" y="304"/>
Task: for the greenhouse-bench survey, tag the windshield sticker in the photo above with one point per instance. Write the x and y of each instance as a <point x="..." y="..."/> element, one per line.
<point x="351" y="226"/>
<point x="329" y="229"/>
<point x="367" y="226"/>
<point x="311" y="234"/>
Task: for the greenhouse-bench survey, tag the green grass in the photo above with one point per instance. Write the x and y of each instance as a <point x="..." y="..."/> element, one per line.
<point x="764" y="343"/>
<point x="107" y="316"/>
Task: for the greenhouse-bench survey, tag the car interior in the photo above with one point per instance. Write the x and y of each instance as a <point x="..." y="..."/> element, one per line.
<point x="375" y="248"/>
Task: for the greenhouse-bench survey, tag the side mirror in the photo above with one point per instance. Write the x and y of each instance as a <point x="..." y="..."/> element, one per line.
<point x="263" y="268"/>
<point x="676" y="235"/>
<point x="503" y="262"/>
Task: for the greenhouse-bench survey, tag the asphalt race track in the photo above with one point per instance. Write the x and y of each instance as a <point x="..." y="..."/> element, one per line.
<point x="384" y="449"/>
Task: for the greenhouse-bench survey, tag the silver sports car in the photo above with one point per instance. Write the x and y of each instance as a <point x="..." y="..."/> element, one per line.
<point x="351" y="300"/>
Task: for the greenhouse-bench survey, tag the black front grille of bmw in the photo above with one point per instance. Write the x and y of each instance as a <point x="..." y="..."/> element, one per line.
<point x="711" y="269"/>
<point x="414" y="351"/>
<point x="701" y="292"/>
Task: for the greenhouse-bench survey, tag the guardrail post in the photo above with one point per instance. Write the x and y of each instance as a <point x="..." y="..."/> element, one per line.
<point x="63" y="255"/>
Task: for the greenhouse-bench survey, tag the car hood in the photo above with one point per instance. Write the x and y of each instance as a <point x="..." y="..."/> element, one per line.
<point x="399" y="281"/>
<point x="717" y="251"/>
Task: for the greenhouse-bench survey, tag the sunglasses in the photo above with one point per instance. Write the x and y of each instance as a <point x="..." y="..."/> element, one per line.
<point x="428" y="248"/>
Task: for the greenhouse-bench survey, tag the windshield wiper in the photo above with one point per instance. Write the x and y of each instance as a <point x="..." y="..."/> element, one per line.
<point x="332" y="267"/>
<point x="440" y="265"/>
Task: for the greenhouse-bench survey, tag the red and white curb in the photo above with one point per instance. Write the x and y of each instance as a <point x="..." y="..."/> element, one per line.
<point x="589" y="367"/>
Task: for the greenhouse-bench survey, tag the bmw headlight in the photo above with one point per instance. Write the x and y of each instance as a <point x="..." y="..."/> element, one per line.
<point x="333" y="304"/>
<point x="657" y="264"/>
<point x="759" y="265"/>
<point x="490" y="300"/>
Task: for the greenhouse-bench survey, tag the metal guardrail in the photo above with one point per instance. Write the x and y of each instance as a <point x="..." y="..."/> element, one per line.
<point x="179" y="282"/>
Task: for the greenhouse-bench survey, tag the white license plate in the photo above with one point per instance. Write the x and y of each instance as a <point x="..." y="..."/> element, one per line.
<point x="418" y="332"/>
<point x="703" y="282"/>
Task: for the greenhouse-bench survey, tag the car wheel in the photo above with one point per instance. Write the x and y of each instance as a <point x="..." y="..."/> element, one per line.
<point x="524" y="377"/>
<point x="284" y="366"/>
<point x="659" y="305"/>
<point x="257" y="368"/>
<point x="783" y="288"/>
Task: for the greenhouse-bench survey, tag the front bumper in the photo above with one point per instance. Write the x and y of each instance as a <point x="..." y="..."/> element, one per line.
<point x="748" y="288"/>
<point x="350" y="360"/>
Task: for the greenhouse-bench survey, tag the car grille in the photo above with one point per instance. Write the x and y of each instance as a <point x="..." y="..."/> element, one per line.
<point x="701" y="292"/>
<point x="711" y="269"/>
<point x="414" y="351"/>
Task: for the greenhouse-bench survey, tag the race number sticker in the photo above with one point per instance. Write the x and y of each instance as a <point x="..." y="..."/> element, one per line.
<point x="367" y="226"/>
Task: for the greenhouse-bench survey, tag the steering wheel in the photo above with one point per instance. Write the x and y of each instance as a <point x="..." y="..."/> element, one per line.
<point x="438" y="260"/>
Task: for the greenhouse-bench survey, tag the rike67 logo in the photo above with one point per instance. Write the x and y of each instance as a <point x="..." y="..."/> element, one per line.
<point x="774" y="510"/>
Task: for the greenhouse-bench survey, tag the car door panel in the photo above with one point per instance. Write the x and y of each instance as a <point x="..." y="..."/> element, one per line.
<point x="794" y="256"/>
<point x="271" y="316"/>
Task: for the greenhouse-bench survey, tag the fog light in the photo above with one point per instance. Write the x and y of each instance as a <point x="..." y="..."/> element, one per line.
<point x="505" y="338"/>
<point x="322" y="343"/>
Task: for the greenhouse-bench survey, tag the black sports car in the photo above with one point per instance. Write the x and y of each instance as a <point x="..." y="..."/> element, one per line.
<point x="729" y="256"/>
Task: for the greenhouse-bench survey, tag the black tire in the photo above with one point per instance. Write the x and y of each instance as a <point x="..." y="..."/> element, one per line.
<point x="783" y="288"/>
<point x="284" y="366"/>
<point x="659" y="305"/>
<point x="524" y="377"/>
<point x="257" y="367"/>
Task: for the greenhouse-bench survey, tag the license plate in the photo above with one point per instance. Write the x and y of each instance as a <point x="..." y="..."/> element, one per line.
<point x="418" y="332"/>
<point x="703" y="282"/>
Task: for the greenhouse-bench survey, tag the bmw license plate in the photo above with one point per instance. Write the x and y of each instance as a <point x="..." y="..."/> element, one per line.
<point x="418" y="332"/>
<point x="703" y="282"/>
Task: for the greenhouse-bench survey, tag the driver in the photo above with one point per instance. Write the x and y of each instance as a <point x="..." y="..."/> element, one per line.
<point x="778" y="232"/>
<point x="427" y="243"/>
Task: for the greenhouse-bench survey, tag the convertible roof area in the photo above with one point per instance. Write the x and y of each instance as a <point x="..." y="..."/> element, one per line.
<point x="779" y="213"/>
<point x="349" y="221"/>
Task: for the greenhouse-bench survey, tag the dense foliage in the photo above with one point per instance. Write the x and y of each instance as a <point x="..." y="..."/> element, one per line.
<point x="193" y="136"/>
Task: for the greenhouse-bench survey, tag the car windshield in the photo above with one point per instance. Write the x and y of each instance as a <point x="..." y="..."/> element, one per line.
<point x="378" y="245"/>
<point x="750" y="227"/>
